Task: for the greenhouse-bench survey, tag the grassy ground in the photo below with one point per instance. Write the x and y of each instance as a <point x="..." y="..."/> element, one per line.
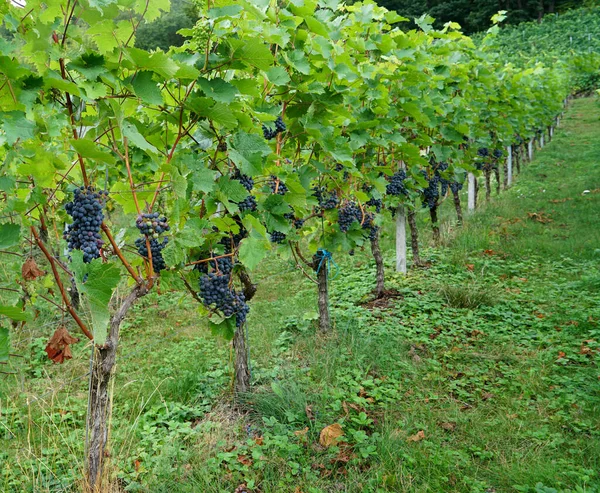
<point x="480" y="376"/>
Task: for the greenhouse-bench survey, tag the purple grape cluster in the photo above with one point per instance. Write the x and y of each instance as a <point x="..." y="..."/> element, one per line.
<point x="152" y="224"/>
<point x="277" y="186"/>
<point x="270" y="133"/>
<point x="348" y="213"/>
<point x="156" y="249"/>
<point x="396" y="186"/>
<point x="248" y="204"/>
<point x="246" y="181"/>
<point x="216" y="293"/>
<point x="84" y="232"/>
<point x="327" y="199"/>
<point x="277" y="237"/>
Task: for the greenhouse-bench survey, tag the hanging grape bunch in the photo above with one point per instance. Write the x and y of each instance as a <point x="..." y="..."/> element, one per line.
<point x="270" y="133"/>
<point x="348" y="214"/>
<point x="497" y="153"/>
<point x="84" y="232"/>
<point x="277" y="237"/>
<point x="396" y="186"/>
<point x="296" y="222"/>
<point x="249" y="203"/>
<point x="431" y="191"/>
<point x="327" y="200"/>
<point x="456" y="187"/>
<point x="216" y="291"/>
<point x="151" y="226"/>
<point x="277" y="186"/>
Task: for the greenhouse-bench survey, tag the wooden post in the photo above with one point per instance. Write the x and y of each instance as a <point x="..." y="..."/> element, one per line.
<point x="509" y="169"/>
<point x="471" y="191"/>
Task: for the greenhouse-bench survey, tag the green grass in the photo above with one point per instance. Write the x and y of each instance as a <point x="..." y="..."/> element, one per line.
<point x="481" y="376"/>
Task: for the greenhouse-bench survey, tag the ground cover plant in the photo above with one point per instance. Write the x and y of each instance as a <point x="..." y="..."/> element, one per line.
<point x="149" y="198"/>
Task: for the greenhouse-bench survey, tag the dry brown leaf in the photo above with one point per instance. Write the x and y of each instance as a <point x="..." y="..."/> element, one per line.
<point x="420" y="435"/>
<point x="330" y="435"/>
<point x="448" y="426"/>
<point x="259" y="440"/>
<point x="242" y="488"/>
<point x="30" y="271"/>
<point x="309" y="412"/>
<point x="301" y="433"/>
<point x="470" y="267"/>
<point x="487" y="396"/>
<point x="58" y="347"/>
<point x="245" y="460"/>
<point x="561" y="354"/>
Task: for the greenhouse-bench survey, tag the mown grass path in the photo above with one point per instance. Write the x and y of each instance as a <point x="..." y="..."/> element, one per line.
<point x="480" y="376"/>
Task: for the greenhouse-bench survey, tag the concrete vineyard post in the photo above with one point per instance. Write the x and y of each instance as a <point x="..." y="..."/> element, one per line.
<point x="401" y="240"/>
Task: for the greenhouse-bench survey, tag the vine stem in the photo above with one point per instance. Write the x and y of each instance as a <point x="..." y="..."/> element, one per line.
<point x="203" y="261"/>
<point x="63" y="293"/>
<point x="119" y="254"/>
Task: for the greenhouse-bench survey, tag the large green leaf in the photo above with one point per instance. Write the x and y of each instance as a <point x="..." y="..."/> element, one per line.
<point x="4" y="342"/>
<point x="10" y="235"/>
<point x="14" y="313"/>
<point x="89" y="149"/>
<point x="96" y="282"/>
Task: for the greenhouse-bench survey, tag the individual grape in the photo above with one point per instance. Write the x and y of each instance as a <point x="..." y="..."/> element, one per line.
<point x="277" y="186"/>
<point x="156" y="248"/>
<point x="152" y="224"/>
<point x="277" y="237"/>
<point x="84" y="232"/>
<point x="396" y="186"/>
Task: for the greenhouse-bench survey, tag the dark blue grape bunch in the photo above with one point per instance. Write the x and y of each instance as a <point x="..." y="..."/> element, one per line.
<point x="348" y="214"/>
<point x="483" y="152"/>
<point x="339" y="167"/>
<point x="497" y="154"/>
<point x="245" y="180"/>
<point x="368" y="224"/>
<point x="152" y="224"/>
<point x="217" y="293"/>
<point x="431" y="192"/>
<point x="156" y="249"/>
<point x="277" y="237"/>
<point x="396" y="186"/>
<point x="234" y="240"/>
<point x="270" y="133"/>
<point x="327" y="200"/>
<point x="84" y="232"/>
<point x="248" y="204"/>
<point x="296" y="222"/>
<point x="456" y="187"/>
<point x="277" y="186"/>
<point x="377" y="203"/>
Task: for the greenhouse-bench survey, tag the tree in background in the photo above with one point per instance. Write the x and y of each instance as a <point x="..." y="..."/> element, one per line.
<point x="162" y="33"/>
<point x="474" y="15"/>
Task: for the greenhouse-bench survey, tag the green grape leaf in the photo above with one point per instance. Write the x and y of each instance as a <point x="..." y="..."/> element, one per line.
<point x="146" y="89"/>
<point x="218" y="89"/>
<point x="278" y="76"/>
<point x="10" y="235"/>
<point x="14" y="313"/>
<point x="16" y="126"/>
<point x="87" y="148"/>
<point x="4" y="343"/>
<point x="224" y="328"/>
<point x="97" y="282"/>
<point x="253" y="250"/>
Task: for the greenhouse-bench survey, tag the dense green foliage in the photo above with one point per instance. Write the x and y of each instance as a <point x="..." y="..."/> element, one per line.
<point x="492" y="352"/>
<point x="213" y="157"/>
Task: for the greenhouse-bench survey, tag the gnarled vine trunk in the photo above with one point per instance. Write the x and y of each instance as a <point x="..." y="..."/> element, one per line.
<point x="458" y="207"/>
<point x="497" y="174"/>
<point x="380" y="274"/>
<point x="99" y="404"/>
<point x="414" y="237"/>
<point x="435" y="228"/>
<point x="323" y="288"/>
<point x="488" y="184"/>
<point x="241" y="347"/>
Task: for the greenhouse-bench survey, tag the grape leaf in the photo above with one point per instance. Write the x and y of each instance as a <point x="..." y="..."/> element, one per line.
<point x="16" y="126"/>
<point x="146" y="89"/>
<point x="253" y="250"/>
<point x="88" y="149"/>
<point x="10" y="235"/>
<point x="3" y="344"/>
<point x="14" y="313"/>
<point x="96" y="282"/>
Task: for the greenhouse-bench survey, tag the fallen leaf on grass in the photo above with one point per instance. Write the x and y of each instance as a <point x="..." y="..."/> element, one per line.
<point x="448" y="426"/>
<point x="309" y="412"/>
<point x="58" y="347"/>
<point x="420" y="435"/>
<point x="487" y="395"/>
<point x="244" y="460"/>
<point x="301" y="433"/>
<point x="330" y="435"/>
<point x="539" y="217"/>
<point x="561" y="354"/>
<point x="470" y="267"/>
